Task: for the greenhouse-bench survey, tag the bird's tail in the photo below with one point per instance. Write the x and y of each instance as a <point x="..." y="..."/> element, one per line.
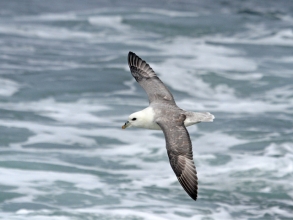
<point x="204" y="116"/>
<point x="197" y="117"/>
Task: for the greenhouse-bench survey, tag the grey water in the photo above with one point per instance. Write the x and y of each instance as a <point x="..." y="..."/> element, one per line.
<point x="66" y="90"/>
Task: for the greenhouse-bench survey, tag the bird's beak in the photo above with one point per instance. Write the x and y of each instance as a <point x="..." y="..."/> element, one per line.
<point x="127" y="124"/>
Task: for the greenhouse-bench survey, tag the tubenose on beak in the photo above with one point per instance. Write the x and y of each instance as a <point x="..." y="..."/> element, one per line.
<point x="125" y="125"/>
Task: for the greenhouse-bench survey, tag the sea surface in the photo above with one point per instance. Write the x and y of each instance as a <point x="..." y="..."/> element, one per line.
<point x="66" y="90"/>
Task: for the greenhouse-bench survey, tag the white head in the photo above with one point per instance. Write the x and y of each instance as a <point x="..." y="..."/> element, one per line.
<point x="136" y="119"/>
<point x="141" y="119"/>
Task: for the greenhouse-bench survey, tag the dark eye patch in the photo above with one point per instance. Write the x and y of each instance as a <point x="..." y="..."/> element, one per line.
<point x="133" y="119"/>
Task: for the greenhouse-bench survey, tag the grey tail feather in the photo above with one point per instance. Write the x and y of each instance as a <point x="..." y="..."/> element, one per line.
<point x="205" y="116"/>
<point x="197" y="117"/>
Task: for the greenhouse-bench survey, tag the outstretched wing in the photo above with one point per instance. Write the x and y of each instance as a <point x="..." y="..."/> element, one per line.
<point x="147" y="78"/>
<point x="179" y="150"/>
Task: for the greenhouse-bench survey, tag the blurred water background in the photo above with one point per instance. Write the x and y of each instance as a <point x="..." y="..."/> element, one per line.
<point x="66" y="90"/>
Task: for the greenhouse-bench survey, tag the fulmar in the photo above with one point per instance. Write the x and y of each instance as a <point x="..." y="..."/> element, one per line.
<point x="164" y="114"/>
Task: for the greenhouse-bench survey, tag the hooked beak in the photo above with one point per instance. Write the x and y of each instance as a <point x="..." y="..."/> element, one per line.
<point x="127" y="124"/>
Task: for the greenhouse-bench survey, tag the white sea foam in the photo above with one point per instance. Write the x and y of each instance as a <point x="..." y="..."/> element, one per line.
<point x="31" y="178"/>
<point x="81" y="111"/>
<point x="190" y="83"/>
<point x="56" y="65"/>
<point x="44" y="32"/>
<point x="169" y="13"/>
<point x="27" y="182"/>
<point x="131" y="88"/>
<point x="114" y="22"/>
<point x="197" y="54"/>
<point x="242" y="77"/>
<point x="40" y="215"/>
<point x="277" y="150"/>
<point x="39" y="64"/>
<point x="281" y="96"/>
<point x="171" y="212"/>
<point x="53" y="134"/>
<point x="66" y="115"/>
<point x="259" y="35"/>
<point x="8" y="87"/>
<point x="276" y="210"/>
<point x="238" y="106"/>
<point x="70" y="16"/>
<point x="215" y="142"/>
<point x="248" y="168"/>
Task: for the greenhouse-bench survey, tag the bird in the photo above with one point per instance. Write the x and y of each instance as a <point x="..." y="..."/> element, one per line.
<point x="163" y="114"/>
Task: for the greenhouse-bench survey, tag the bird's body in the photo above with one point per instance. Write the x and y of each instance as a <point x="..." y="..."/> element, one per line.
<point x="164" y="114"/>
<point x="149" y="117"/>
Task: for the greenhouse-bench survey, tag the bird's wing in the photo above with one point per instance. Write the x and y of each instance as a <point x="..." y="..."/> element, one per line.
<point x="147" y="78"/>
<point x="179" y="150"/>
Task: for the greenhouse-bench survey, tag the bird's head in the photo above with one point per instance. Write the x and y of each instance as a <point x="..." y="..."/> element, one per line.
<point x="134" y="120"/>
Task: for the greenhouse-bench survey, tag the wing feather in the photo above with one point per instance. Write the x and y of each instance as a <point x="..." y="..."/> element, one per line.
<point x="147" y="78"/>
<point x="180" y="154"/>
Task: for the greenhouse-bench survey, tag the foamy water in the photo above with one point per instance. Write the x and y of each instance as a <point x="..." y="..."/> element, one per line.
<point x="66" y="90"/>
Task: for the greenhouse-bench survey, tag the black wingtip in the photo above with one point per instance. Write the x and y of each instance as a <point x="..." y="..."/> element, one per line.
<point x="138" y="63"/>
<point x="131" y="56"/>
<point x="194" y="197"/>
<point x="133" y="59"/>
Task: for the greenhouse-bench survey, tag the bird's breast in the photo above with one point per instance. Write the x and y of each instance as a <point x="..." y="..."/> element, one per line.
<point x="153" y="126"/>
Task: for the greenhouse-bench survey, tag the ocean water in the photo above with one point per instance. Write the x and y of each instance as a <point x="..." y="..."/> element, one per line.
<point x="66" y="90"/>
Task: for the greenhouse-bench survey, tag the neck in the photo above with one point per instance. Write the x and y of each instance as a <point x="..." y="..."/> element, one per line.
<point x="147" y="119"/>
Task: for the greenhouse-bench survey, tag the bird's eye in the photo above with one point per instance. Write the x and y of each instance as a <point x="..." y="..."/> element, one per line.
<point x="133" y="119"/>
